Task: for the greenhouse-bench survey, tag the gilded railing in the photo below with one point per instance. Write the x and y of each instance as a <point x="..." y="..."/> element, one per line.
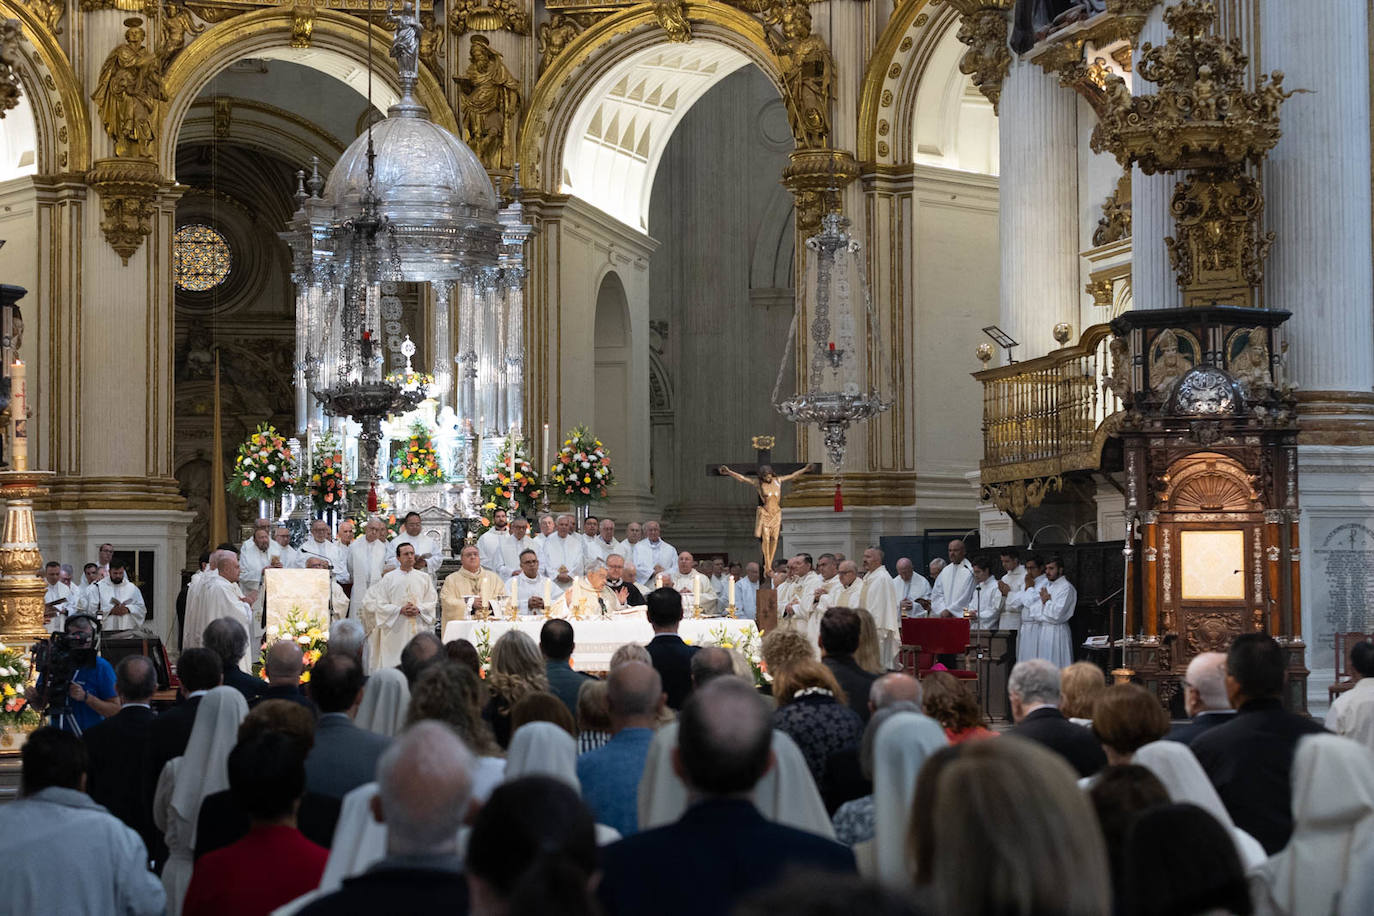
<point x="1046" y="416"/>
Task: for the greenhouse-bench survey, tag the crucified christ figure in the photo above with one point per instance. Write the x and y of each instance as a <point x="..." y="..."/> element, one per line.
<point x="768" y="520"/>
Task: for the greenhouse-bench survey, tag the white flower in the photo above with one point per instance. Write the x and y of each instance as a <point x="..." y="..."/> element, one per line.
<point x="303" y="640"/>
<point x="273" y="630"/>
<point x="252" y="475"/>
<point x="271" y="467"/>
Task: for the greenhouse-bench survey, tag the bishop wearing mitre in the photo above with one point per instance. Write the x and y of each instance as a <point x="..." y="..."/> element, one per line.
<point x="695" y="589"/>
<point x="879" y="598"/>
<point x="470" y="589"/>
<point x="588" y="598"/>
<point x="398" y="606"/>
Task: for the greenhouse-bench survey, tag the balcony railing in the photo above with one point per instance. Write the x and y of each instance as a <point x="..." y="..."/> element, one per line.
<point x="1048" y="416"/>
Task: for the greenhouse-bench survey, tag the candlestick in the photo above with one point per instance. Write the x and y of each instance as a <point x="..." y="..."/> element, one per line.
<point x="731" y="579"/>
<point x="548" y="597"/>
<point x="19" y="411"/>
<point x="696" y="595"/>
<point x="511" y="462"/>
<point x="515" y="594"/>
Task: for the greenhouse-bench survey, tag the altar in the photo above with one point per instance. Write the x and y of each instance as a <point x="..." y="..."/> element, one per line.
<point x="597" y="640"/>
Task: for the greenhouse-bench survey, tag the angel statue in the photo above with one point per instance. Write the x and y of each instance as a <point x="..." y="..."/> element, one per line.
<point x="768" y="519"/>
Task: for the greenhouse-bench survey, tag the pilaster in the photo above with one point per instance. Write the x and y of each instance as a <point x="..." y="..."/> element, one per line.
<point x="1154" y="285"/>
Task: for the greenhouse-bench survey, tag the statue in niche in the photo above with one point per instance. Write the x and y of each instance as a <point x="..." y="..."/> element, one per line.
<point x="127" y="93"/>
<point x="1035" y="19"/>
<point x="808" y="72"/>
<point x="1248" y="360"/>
<point x="1171" y="357"/>
<point x="491" y="105"/>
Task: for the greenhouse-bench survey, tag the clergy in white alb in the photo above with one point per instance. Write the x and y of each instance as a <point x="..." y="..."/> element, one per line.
<point x="517" y="544"/>
<point x="603" y="543"/>
<point x="1011" y="584"/>
<point x="470" y="589"/>
<point x="1050" y="612"/>
<point x="811" y="609"/>
<point x="1027" y="603"/>
<point x="587" y="598"/>
<point x="491" y="544"/>
<point x="848" y="589"/>
<point x="562" y="555"/>
<point x="59" y="599"/>
<point x="986" y="601"/>
<point x="255" y="556"/>
<point x="949" y="596"/>
<point x="879" y="598"/>
<point x="695" y="589"/>
<point x="87" y="594"/>
<point x="428" y="553"/>
<point x="287" y="555"/>
<point x="191" y="638"/>
<point x="652" y="556"/>
<point x="319" y="545"/>
<point x="121" y="603"/>
<point x="530" y="587"/>
<point x="547" y="525"/>
<point x="367" y="559"/>
<point x="747" y="593"/>
<point x="908" y="587"/>
<point x="796" y="591"/>
<point x="398" y="607"/>
<point x="221" y="596"/>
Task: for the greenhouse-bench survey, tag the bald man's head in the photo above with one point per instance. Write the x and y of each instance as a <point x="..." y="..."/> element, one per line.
<point x="634" y="691"/>
<point x="894" y="688"/>
<point x="424" y="788"/>
<point x="284" y="663"/>
<point x="725" y="738"/>
<point x="709" y="663"/>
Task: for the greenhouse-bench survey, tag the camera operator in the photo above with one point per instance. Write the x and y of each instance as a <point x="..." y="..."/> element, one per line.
<point x="91" y="695"/>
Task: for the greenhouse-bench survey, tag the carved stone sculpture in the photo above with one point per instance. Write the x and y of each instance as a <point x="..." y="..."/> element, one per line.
<point x="491" y="105"/>
<point x="9" y="64"/>
<point x="127" y="93"/>
<point x="555" y="35"/>
<point x="177" y="25"/>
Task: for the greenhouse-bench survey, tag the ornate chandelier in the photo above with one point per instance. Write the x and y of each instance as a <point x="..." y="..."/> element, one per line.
<point x="407" y="203"/>
<point x="835" y="389"/>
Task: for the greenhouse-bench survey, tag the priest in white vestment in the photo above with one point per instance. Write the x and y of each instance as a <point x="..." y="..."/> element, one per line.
<point x="1055" y="603"/>
<point x="398" y="607"/>
<point x="287" y="556"/>
<point x="987" y="601"/>
<point x="319" y="545"/>
<point x="256" y="556"/>
<point x="563" y="554"/>
<point x="190" y="636"/>
<point x="847" y="592"/>
<point x="264" y="524"/>
<point x="879" y="598"/>
<point x="603" y="543"/>
<point x="547" y="525"/>
<point x="59" y="599"/>
<point x="1027" y="602"/>
<point x="470" y="589"/>
<point x="653" y="556"/>
<point x="491" y="544"/>
<point x="909" y="588"/>
<point x="530" y="587"/>
<point x="368" y="560"/>
<point x="223" y="597"/>
<point x="797" y="592"/>
<point x="87" y="595"/>
<point x="121" y="603"/>
<point x="695" y="588"/>
<point x="428" y="554"/>
<point x="827" y="568"/>
<point x="519" y="542"/>
<point x="747" y="593"/>
<point x="950" y="594"/>
<point x="587" y="598"/>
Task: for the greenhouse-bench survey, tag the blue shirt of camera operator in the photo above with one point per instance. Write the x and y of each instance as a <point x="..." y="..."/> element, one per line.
<point x="91" y="695"/>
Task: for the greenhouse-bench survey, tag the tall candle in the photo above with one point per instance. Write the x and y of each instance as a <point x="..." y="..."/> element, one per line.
<point x="19" y="410"/>
<point x="511" y="459"/>
<point x="732" y="591"/>
<point x="514" y="593"/>
<point x="546" y="446"/>
<point x="696" y="590"/>
<point x="548" y="597"/>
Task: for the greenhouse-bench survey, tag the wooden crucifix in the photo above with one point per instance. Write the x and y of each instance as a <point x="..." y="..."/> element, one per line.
<point x="767" y="478"/>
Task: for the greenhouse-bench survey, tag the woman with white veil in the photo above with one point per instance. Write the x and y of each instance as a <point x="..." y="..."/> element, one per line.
<point x="1176" y="767"/>
<point x="386" y="698"/>
<point x="900" y="749"/>
<point x="185" y="781"/>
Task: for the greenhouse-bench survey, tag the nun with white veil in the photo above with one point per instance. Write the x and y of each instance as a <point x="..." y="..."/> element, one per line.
<point x="1333" y="833"/>
<point x="900" y="749"/>
<point x="543" y="749"/>
<point x="1186" y="781"/>
<point x="786" y="794"/>
<point x="386" y="698"/>
<point x="185" y="782"/>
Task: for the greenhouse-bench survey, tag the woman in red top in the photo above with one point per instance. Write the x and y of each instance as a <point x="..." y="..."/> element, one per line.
<point x="948" y="701"/>
<point x="274" y="864"/>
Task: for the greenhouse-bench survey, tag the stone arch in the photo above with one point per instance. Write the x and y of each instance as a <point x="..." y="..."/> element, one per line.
<point x="254" y="34"/>
<point x="61" y="116"/>
<point x="612" y="362"/>
<point x="569" y="82"/>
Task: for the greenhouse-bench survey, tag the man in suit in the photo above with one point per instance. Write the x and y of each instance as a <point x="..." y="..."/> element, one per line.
<point x="227" y="638"/>
<point x="344" y="756"/>
<point x="556" y="645"/>
<point x="1204" y="697"/>
<point x="839" y="640"/>
<point x="1034" y="692"/>
<point x="1250" y="758"/>
<point x="424" y="783"/>
<point x="119" y="751"/>
<point x="670" y="655"/>
<point x="285" y="664"/>
<point x="199" y="671"/>
<point x="724" y="748"/>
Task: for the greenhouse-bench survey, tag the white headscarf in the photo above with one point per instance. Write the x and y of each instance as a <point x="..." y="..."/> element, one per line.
<point x="786" y="794"/>
<point x="543" y="749"/>
<point x="204" y="767"/>
<point x="1183" y="777"/>
<point x="1333" y="825"/>
<point x="900" y="749"/>
<point x="386" y="699"/>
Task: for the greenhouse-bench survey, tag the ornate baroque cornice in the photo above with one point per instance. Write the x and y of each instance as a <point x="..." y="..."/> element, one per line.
<point x="984" y="31"/>
<point x="128" y="190"/>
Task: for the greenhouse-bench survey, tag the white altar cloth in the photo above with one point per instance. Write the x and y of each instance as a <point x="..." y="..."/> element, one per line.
<point x="597" y="640"/>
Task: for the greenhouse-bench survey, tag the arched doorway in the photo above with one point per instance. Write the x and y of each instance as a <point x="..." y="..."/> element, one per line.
<point x="611" y="375"/>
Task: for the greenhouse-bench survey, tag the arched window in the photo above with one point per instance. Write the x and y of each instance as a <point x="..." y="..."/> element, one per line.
<point x="201" y="258"/>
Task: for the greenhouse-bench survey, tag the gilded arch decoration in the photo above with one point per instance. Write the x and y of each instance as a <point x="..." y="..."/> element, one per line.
<point x="252" y="33"/>
<point x="895" y="69"/>
<point x="62" y="123"/>
<point x="565" y="83"/>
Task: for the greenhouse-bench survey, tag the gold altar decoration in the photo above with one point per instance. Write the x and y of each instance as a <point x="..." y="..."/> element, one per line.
<point x="1016" y="496"/>
<point x="983" y="30"/>
<point x="1205" y="122"/>
<point x="557" y="33"/>
<point x="177" y="28"/>
<point x="816" y="177"/>
<point x="127" y="94"/>
<point x="488" y="16"/>
<point x="10" y="88"/>
<point x="672" y="16"/>
<point x="491" y="105"/>
<point x="21" y="589"/>
<point x="127" y="189"/>
<point x="808" y="70"/>
<point x="50" y="13"/>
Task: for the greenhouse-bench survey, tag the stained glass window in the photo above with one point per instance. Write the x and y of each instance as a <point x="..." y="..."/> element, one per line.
<point x="200" y="258"/>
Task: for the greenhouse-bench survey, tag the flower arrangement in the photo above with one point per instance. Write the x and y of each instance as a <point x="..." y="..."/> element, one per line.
<point x="14" y="676"/>
<point x="264" y="467"/>
<point x="747" y="642"/>
<point x="327" y="487"/>
<point x="496" y="484"/>
<point x="481" y="641"/>
<point x="411" y="380"/>
<point x="310" y="634"/>
<point x="581" y="470"/>
<point x="420" y="463"/>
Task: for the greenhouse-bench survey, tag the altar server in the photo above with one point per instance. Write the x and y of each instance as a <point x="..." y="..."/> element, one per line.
<point x="652" y="556"/>
<point x="563" y="554"/>
<point x="470" y="589"/>
<point x="368" y="560"/>
<point x="695" y="588"/>
<point x="398" y="607"/>
<point x="428" y="554"/>
<point x="59" y="599"/>
<point x="587" y="598"/>
<point x="121" y="603"/>
<point x="1026" y="602"/>
<point x="531" y="587"/>
<point x="987" y="600"/>
<point x="953" y="587"/>
<point x="1045" y="621"/>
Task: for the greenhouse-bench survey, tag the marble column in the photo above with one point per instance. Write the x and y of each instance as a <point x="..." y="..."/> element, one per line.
<point x="1037" y="135"/>
<point x="1154" y="285"/>
<point x="1317" y="191"/>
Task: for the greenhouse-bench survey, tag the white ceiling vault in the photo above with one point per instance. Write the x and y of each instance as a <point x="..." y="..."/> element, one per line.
<point x="623" y="125"/>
